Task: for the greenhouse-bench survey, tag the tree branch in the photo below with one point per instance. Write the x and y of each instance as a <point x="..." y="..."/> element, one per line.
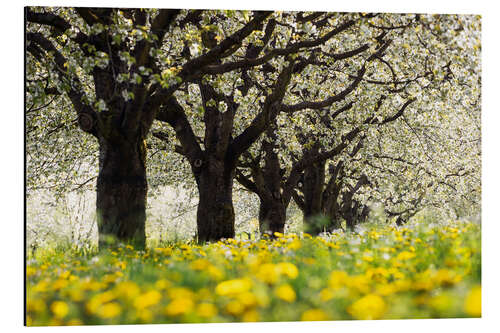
<point x="173" y="113"/>
<point x="399" y="113"/>
<point x="329" y="101"/>
<point x="192" y="69"/>
<point x="57" y="22"/>
<point x="245" y="181"/>
<point x="86" y="115"/>
<point x="270" y="110"/>
<point x="296" y="47"/>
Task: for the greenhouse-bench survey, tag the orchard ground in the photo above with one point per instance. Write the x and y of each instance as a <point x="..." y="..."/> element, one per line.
<point x="421" y="270"/>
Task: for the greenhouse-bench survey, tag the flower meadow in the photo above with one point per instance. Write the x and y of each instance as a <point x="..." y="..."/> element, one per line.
<point x="378" y="272"/>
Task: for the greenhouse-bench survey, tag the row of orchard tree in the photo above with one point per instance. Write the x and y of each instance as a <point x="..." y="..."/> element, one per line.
<point x="331" y="110"/>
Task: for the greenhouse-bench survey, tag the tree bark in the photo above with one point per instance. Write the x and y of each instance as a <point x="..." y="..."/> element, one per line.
<point x="215" y="215"/>
<point x="331" y="209"/>
<point x="272" y="216"/>
<point x="313" y="183"/>
<point x="122" y="191"/>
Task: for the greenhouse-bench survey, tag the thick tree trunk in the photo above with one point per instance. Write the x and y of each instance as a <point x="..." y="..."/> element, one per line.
<point x="272" y="216"/>
<point x="332" y="212"/>
<point x="121" y="192"/>
<point x="215" y="216"/>
<point x="331" y="206"/>
<point x="314" y="179"/>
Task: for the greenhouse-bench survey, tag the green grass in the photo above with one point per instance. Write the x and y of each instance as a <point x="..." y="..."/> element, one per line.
<point x="384" y="272"/>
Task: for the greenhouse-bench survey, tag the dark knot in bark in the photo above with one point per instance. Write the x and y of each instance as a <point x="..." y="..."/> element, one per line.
<point x="85" y="121"/>
<point x="198" y="163"/>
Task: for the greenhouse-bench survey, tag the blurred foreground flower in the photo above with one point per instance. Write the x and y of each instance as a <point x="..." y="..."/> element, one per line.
<point x="231" y="287"/>
<point x="473" y="302"/>
<point x="369" y="307"/>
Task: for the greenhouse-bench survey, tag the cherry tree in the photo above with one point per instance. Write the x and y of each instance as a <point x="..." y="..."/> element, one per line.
<point x="422" y="87"/>
<point x="110" y="65"/>
<point x="238" y="93"/>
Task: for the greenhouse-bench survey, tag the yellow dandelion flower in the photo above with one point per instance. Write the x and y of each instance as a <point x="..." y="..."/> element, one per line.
<point x="378" y="274"/>
<point x="179" y="306"/>
<point x="60" y="309"/>
<point x="295" y="244"/>
<point x="422" y="285"/>
<point x="446" y="277"/>
<point x="359" y="283"/>
<point x="127" y="289"/>
<point x="441" y="303"/>
<point x="162" y="284"/>
<point x="268" y="273"/>
<point x="73" y="278"/>
<point x="59" y="284"/>
<point x="286" y="293"/>
<point x="367" y="308"/>
<point x="405" y="255"/>
<point x="166" y="251"/>
<point x="250" y="316"/>
<point x="109" y="310"/>
<point x="30" y="271"/>
<point x="333" y="246"/>
<point x="396" y="274"/>
<point x="206" y="310"/>
<point x="75" y="294"/>
<point x="232" y="287"/>
<point x="180" y="292"/>
<point x="145" y="315"/>
<point x="235" y="308"/>
<point x="403" y="285"/>
<point x="121" y="265"/>
<point x="386" y="289"/>
<point x="35" y="305"/>
<point x="337" y="279"/>
<point x="314" y="315"/>
<point x="288" y="269"/>
<point x="214" y="272"/>
<point x="109" y="278"/>
<point x="326" y="294"/>
<point x="200" y="264"/>
<point x="472" y="304"/>
<point x="150" y="298"/>
<point x="93" y="305"/>
<point x="105" y="296"/>
<point x="247" y="299"/>
<point x="92" y="285"/>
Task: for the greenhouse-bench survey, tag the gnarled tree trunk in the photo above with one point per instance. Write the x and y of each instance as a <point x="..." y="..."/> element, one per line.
<point x="272" y="215"/>
<point x="319" y="202"/>
<point x="215" y="216"/>
<point x="313" y="183"/>
<point x="331" y="209"/>
<point x="122" y="191"/>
